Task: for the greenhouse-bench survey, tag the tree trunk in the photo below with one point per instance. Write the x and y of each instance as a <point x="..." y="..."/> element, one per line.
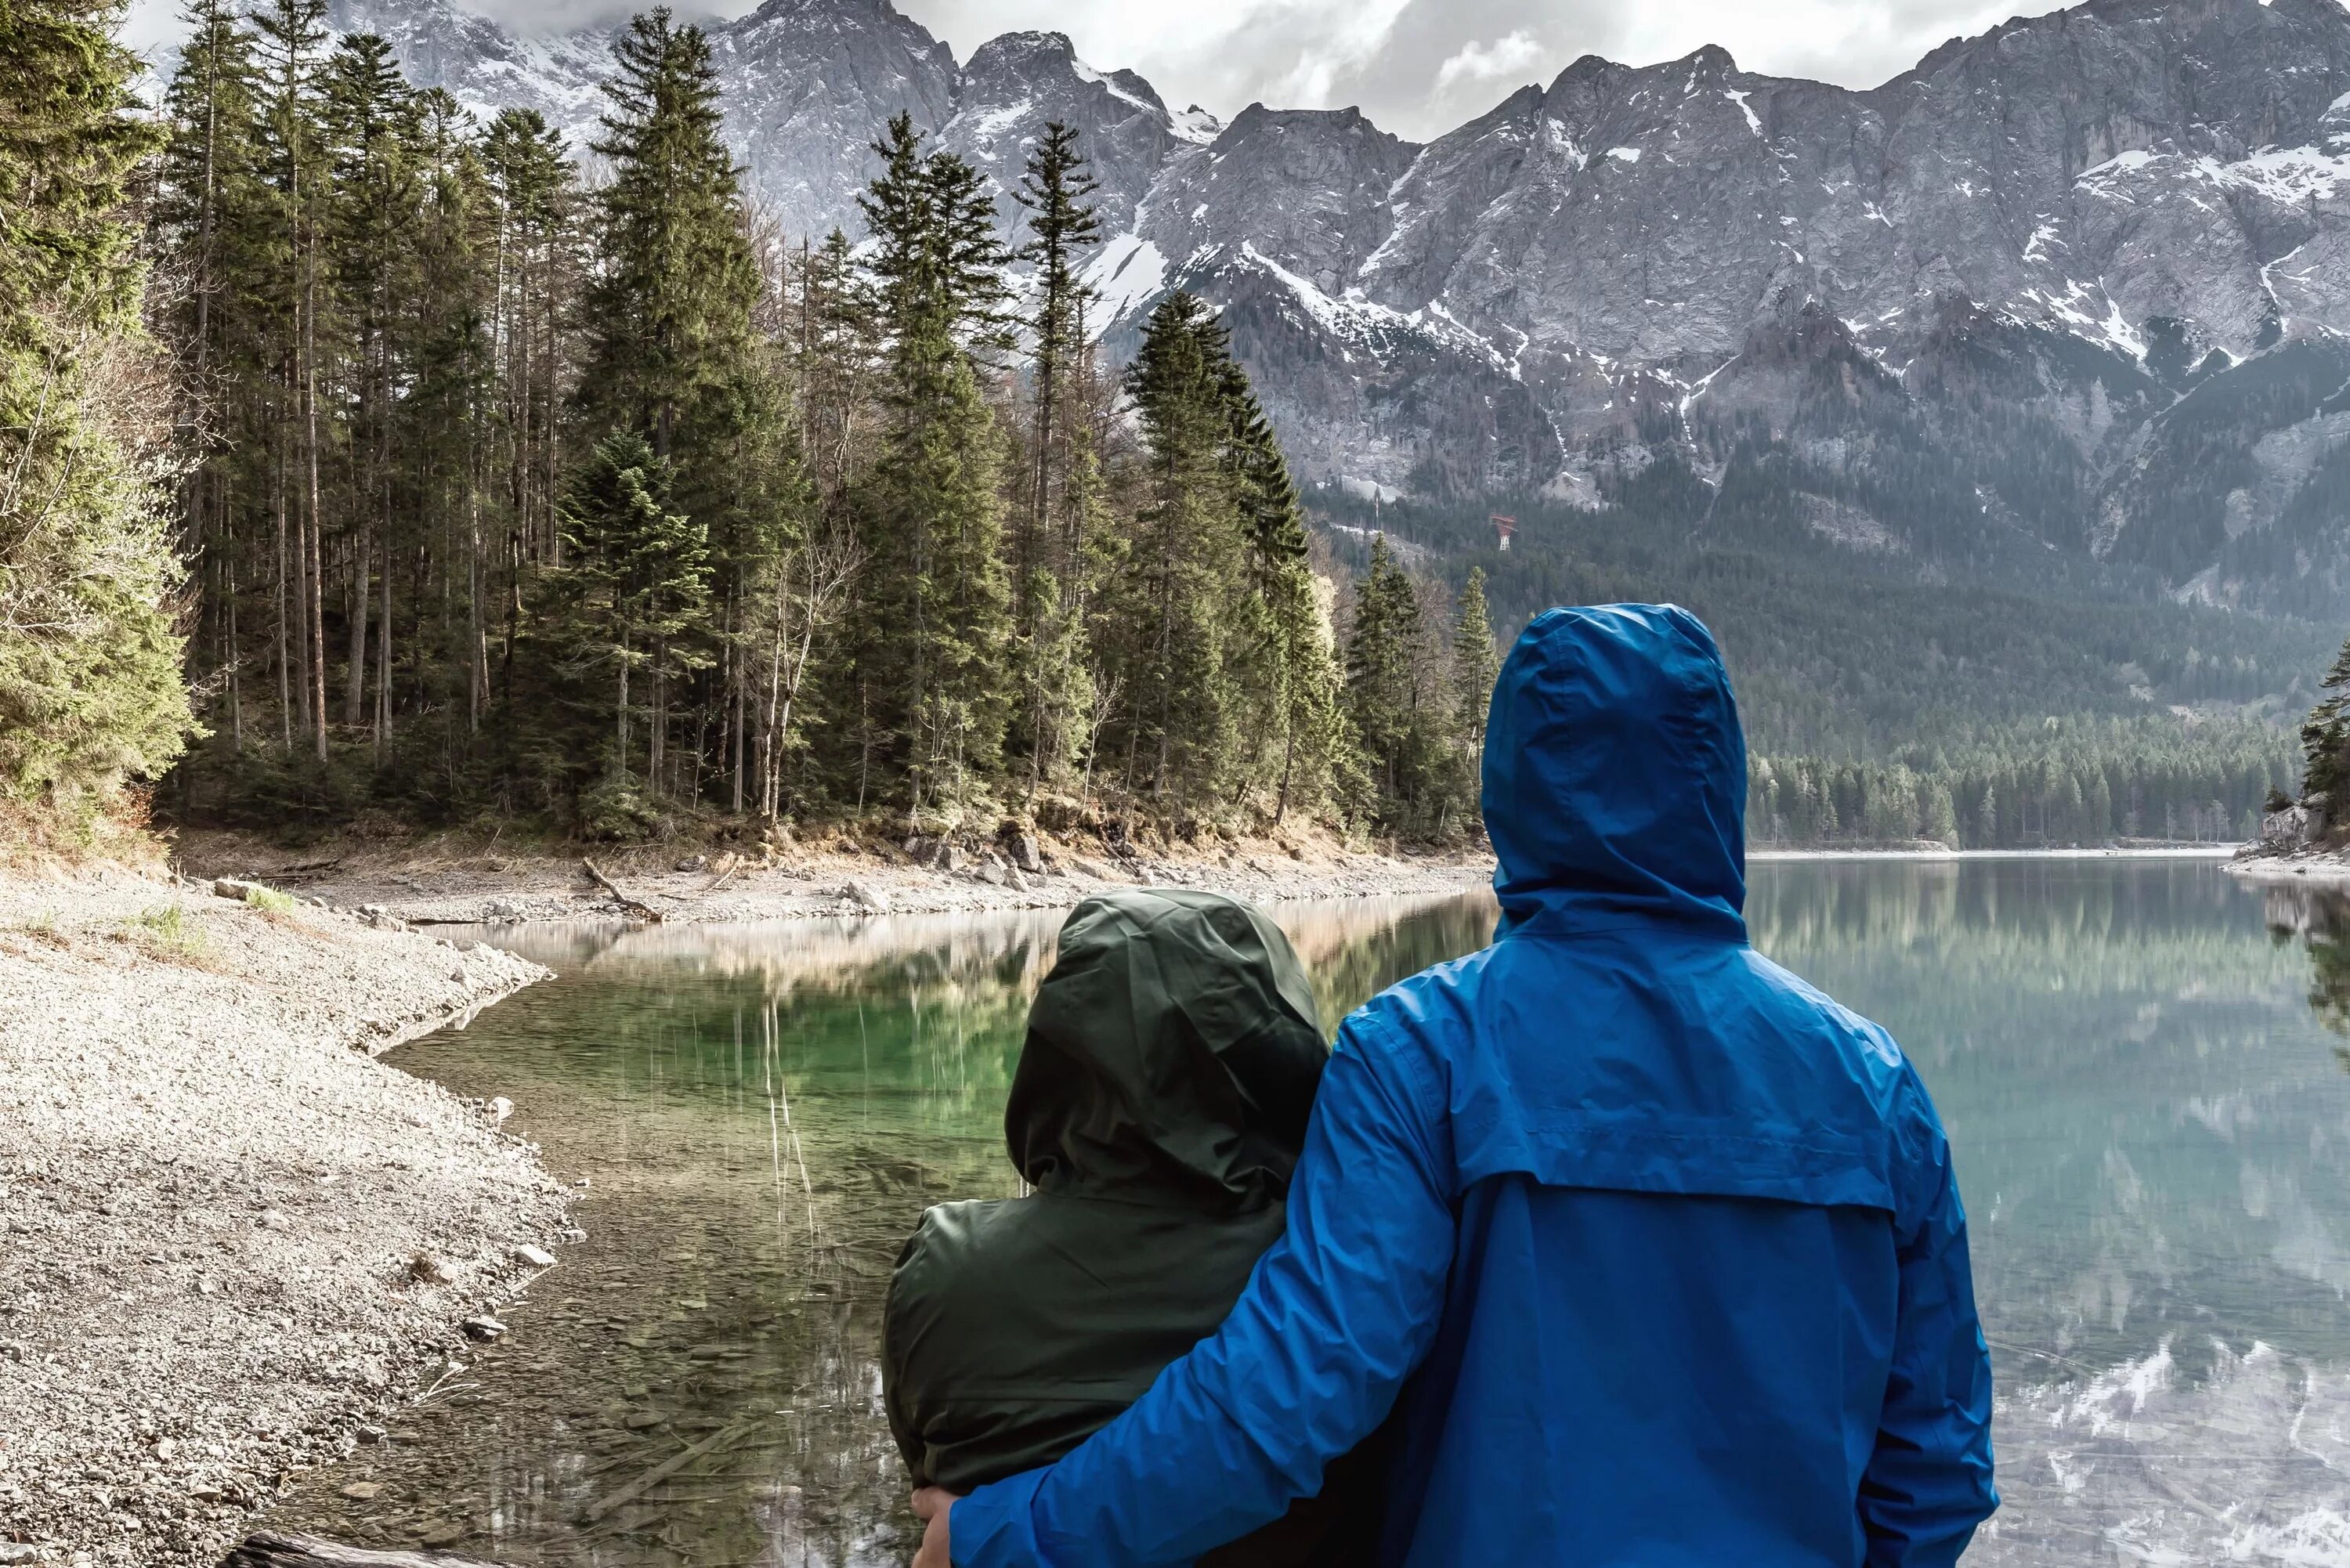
<point x="317" y="520"/>
<point x="383" y="661"/>
<point x="355" y="696"/>
<point x="620" y="763"/>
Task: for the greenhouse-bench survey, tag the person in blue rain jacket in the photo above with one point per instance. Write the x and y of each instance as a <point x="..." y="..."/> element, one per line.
<point x="1656" y="1249"/>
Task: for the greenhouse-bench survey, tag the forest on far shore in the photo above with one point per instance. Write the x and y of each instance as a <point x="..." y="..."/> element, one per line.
<point x="365" y="464"/>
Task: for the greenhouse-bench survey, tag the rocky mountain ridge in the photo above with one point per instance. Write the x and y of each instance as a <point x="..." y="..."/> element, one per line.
<point x="2081" y="281"/>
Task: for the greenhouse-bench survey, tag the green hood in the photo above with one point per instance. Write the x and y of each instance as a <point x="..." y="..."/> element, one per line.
<point x="1172" y="1056"/>
<point x="1159" y="1109"/>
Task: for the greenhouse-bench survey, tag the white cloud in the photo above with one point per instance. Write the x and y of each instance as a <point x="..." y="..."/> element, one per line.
<point x="1327" y="54"/>
<point x="1504" y="57"/>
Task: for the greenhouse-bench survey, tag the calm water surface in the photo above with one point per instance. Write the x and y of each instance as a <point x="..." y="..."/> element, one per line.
<point x="2135" y="1059"/>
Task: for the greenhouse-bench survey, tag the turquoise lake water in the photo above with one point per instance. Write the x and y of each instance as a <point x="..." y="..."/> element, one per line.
<point x="2134" y="1057"/>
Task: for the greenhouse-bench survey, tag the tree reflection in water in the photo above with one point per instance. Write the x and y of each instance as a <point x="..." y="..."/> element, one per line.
<point x="2320" y="917"/>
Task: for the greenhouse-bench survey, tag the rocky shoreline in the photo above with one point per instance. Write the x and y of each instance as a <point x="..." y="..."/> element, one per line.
<point x="235" y="1242"/>
<point x="450" y="882"/>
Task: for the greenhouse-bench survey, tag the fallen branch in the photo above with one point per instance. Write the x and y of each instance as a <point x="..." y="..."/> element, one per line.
<point x="668" y="1467"/>
<point x="268" y="1549"/>
<point x="727" y="867"/>
<point x="636" y="908"/>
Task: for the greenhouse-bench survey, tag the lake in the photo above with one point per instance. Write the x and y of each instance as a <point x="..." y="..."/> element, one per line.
<point x="2136" y="1059"/>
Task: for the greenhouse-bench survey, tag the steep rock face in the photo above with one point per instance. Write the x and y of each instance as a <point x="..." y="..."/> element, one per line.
<point x="1017" y="85"/>
<point x="482" y="65"/>
<point x="1305" y="190"/>
<point x="2075" y="283"/>
<point x="811" y="85"/>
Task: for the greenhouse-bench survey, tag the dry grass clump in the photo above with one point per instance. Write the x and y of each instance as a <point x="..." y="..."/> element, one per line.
<point x="170" y="934"/>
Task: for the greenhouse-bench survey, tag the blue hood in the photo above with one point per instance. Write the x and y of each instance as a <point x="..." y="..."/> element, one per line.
<point x="1615" y="783"/>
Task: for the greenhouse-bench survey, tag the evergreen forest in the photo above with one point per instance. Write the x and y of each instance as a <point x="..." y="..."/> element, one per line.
<point x="364" y="464"/>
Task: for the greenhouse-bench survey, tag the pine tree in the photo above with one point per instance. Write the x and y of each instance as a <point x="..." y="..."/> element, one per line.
<point x="930" y="664"/>
<point x="89" y="663"/>
<point x="1475" y="666"/>
<point x="204" y="229"/>
<point x="1384" y="651"/>
<point x="1290" y="665"/>
<point x="290" y="50"/>
<point x="369" y="116"/>
<point x="635" y="573"/>
<point x="1050" y="551"/>
<point x="672" y="353"/>
<point x="669" y="309"/>
<point x="1183" y="570"/>
<point x="2326" y="735"/>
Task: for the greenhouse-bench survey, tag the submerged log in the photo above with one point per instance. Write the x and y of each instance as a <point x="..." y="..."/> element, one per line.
<point x="268" y="1549"/>
<point x="635" y="908"/>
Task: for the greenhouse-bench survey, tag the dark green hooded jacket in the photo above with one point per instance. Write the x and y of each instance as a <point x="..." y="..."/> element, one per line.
<point x="1158" y="1107"/>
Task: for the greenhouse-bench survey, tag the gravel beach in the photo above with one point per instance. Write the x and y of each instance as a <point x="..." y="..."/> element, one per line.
<point x="234" y="1241"/>
<point x="453" y="881"/>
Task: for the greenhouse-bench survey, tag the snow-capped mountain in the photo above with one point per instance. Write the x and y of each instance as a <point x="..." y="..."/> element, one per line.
<point x="2116" y="238"/>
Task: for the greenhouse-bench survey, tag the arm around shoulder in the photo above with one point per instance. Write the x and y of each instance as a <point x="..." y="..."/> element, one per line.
<point x="1337" y="1316"/>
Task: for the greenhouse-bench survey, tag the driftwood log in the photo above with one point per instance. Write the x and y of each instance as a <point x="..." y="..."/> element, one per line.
<point x="268" y="1549"/>
<point x="636" y="908"/>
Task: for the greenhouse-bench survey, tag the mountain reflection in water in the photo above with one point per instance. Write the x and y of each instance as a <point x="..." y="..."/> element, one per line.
<point x="2134" y="1059"/>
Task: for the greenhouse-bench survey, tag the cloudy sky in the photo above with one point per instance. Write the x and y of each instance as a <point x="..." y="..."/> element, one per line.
<point x="1422" y="67"/>
<point x="1416" y="67"/>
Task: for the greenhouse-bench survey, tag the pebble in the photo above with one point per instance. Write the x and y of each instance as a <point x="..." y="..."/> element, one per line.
<point x="485" y="1328"/>
<point x="432" y="1269"/>
<point x="362" y="1490"/>
<point x="533" y="1257"/>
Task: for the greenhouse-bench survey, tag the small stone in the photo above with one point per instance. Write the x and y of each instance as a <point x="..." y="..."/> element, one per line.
<point x="432" y="1269"/>
<point x="369" y="1436"/>
<point x="533" y="1257"/>
<point x="275" y="1220"/>
<point x="442" y="1534"/>
<point x="867" y="897"/>
<point x="1015" y="881"/>
<point x="19" y="1551"/>
<point x="486" y="1329"/>
<point x="694" y="863"/>
<point x="500" y="1109"/>
<point x="638" y="1420"/>
<point x="165" y="1448"/>
<point x="991" y="875"/>
<point x="1025" y="855"/>
<point x="362" y="1490"/>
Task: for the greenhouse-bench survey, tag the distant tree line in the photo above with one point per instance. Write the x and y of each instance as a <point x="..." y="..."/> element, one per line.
<point x="612" y="506"/>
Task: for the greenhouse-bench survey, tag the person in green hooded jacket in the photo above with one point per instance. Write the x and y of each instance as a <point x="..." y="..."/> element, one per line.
<point x="1158" y="1107"/>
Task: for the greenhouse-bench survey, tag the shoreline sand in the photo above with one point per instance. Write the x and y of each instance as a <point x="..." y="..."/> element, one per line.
<point x="215" y="1199"/>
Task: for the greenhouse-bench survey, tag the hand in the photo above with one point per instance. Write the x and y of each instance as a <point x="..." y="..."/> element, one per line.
<point x="933" y="1503"/>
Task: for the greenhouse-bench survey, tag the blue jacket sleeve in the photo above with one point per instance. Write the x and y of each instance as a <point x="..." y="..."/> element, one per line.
<point x="1335" y="1316"/>
<point x="1929" y="1480"/>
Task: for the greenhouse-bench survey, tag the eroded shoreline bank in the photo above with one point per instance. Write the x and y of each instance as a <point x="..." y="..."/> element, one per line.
<point x="214" y="1200"/>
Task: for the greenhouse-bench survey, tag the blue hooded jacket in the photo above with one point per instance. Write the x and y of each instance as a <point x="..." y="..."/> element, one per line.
<point x="1658" y="1249"/>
